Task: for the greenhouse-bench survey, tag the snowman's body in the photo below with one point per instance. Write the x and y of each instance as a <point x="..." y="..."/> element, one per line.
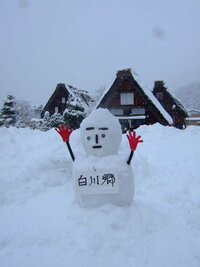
<point x="101" y="137"/>
<point x="125" y="190"/>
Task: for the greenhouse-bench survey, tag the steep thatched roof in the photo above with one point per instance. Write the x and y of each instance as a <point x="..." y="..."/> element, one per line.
<point x="149" y="99"/>
<point x="177" y="106"/>
<point x="80" y="97"/>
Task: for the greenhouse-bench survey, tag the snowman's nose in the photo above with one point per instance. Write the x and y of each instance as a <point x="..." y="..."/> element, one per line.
<point x="96" y="138"/>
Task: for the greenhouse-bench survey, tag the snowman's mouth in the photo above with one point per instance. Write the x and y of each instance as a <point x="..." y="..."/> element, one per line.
<point x="97" y="146"/>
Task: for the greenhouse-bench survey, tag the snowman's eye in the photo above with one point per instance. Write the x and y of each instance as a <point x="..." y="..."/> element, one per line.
<point x="88" y="138"/>
<point x="103" y="135"/>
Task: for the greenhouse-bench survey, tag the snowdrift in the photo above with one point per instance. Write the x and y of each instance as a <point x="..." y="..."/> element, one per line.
<point x="41" y="225"/>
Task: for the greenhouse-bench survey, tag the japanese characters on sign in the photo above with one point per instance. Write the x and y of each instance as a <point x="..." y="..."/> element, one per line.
<point x="100" y="181"/>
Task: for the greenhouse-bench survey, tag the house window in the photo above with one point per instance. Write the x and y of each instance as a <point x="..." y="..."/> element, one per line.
<point x="56" y="109"/>
<point x="116" y="111"/>
<point x="63" y="100"/>
<point x="138" y="111"/>
<point x="126" y="98"/>
<point x="159" y="95"/>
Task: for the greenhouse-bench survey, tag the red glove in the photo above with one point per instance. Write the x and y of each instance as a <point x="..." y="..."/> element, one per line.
<point x="64" y="131"/>
<point x="133" y="140"/>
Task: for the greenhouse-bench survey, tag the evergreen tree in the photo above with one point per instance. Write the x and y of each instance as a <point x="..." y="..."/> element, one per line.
<point x="8" y="113"/>
<point x="74" y="113"/>
<point x="1" y="119"/>
<point x="36" y="111"/>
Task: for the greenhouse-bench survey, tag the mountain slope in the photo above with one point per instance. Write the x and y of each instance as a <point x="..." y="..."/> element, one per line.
<point x="189" y="95"/>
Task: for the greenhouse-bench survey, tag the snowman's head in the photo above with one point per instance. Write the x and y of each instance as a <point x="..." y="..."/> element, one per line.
<point x="101" y="133"/>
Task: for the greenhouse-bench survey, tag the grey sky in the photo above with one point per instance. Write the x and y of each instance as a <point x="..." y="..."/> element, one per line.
<point x="84" y="43"/>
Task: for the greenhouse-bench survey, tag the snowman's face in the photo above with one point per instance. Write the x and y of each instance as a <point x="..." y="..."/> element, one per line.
<point x="101" y="138"/>
<point x="97" y="140"/>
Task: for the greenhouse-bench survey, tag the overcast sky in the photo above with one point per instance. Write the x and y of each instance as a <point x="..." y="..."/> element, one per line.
<point x="85" y="42"/>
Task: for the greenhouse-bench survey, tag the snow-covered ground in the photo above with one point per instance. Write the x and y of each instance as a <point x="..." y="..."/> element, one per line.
<point x="41" y="224"/>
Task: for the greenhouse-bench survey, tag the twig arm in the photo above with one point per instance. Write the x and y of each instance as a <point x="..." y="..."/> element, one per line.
<point x="70" y="151"/>
<point x="130" y="157"/>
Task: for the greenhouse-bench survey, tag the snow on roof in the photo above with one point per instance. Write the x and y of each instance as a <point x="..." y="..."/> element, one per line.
<point x="193" y="119"/>
<point x="132" y="117"/>
<point x="177" y="101"/>
<point x="102" y="96"/>
<point x="81" y="97"/>
<point x="194" y="111"/>
<point x="154" y="100"/>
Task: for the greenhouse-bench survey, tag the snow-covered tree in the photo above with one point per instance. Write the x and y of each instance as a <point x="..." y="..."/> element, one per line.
<point x="36" y="121"/>
<point x="24" y="113"/>
<point x="74" y="113"/>
<point x="8" y="112"/>
<point x="1" y="120"/>
<point x="20" y="113"/>
<point x="37" y="110"/>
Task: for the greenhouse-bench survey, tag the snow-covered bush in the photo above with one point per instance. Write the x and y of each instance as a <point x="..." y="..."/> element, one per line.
<point x="36" y="124"/>
<point x="55" y="120"/>
<point x="49" y="122"/>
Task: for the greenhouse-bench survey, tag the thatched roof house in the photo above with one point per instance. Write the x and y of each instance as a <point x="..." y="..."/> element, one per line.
<point x="171" y="104"/>
<point x="132" y="104"/>
<point x="58" y="101"/>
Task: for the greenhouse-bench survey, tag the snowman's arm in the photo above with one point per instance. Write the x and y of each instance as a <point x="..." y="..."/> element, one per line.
<point x="64" y="132"/>
<point x="133" y="142"/>
<point x="70" y="151"/>
<point x="130" y="157"/>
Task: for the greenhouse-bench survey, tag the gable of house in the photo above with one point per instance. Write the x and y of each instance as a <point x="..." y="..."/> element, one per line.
<point x="131" y="103"/>
<point x="171" y="104"/>
<point x="59" y="99"/>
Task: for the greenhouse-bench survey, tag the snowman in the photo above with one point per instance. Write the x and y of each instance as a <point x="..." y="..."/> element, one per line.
<point x="103" y="175"/>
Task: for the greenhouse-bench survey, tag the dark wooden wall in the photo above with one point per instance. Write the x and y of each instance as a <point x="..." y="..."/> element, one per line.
<point x="56" y="101"/>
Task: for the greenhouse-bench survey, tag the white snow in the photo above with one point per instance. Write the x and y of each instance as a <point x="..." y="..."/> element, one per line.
<point x="131" y="117"/>
<point x="41" y="225"/>
<point x="193" y="119"/>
